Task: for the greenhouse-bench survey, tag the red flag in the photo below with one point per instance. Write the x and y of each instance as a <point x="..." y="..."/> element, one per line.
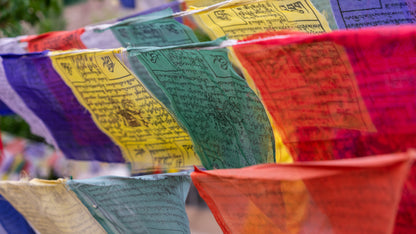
<point x="59" y="40"/>
<point x="358" y="195"/>
<point x="341" y="95"/>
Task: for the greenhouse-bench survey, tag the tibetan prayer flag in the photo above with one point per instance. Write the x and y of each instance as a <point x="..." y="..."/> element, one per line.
<point x="324" y="7"/>
<point x="157" y="29"/>
<point x="45" y="93"/>
<point x="145" y="204"/>
<point x="337" y="95"/>
<point x="11" y="221"/>
<point x="4" y="109"/>
<point x="226" y="120"/>
<point x="59" y="40"/>
<point x="360" y="14"/>
<point x="49" y="207"/>
<point x="128" y="3"/>
<point x="201" y="3"/>
<point x="160" y="30"/>
<point x="149" y="136"/>
<point x="339" y="196"/>
<point x="10" y="97"/>
<point x="341" y="95"/>
<point x="175" y="6"/>
<point x="11" y="45"/>
<point x="244" y="18"/>
<point x="99" y="39"/>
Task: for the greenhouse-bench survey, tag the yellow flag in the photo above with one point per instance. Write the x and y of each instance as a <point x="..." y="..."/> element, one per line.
<point x="49" y="206"/>
<point x="242" y="18"/>
<point x="149" y="136"/>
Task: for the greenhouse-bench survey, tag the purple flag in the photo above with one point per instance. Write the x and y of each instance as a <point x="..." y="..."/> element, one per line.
<point x="46" y="94"/>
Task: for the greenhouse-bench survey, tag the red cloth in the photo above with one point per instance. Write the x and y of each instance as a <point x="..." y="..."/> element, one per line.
<point x="59" y="40"/>
<point x="341" y="95"/>
<point x="358" y="195"/>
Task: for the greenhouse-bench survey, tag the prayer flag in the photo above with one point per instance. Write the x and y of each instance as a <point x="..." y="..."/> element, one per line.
<point x="244" y="18"/>
<point x="144" y="204"/>
<point x="11" y="220"/>
<point x="340" y="95"/>
<point x="59" y="40"/>
<point x="44" y="92"/>
<point x="49" y="206"/>
<point x="339" y="196"/>
<point x="149" y="136"/>
<point x="224" y="117"/>
<point x="360" y="14"/>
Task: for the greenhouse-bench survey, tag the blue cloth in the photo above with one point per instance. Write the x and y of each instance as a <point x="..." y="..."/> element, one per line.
<point x="128" y="3"/>
<point x="360" y="14"/>
<point x="4" y="109"/>
<point x="11" y="220"/>
<point x="47" y="95"/>
<point x="175" y="6"/>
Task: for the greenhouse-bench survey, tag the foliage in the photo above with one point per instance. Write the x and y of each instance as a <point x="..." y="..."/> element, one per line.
<point x="18" y="127"/>
<point x="45" y="15"/>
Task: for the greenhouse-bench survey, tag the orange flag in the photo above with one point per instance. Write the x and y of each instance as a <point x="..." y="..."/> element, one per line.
<point x="359" y="195"/>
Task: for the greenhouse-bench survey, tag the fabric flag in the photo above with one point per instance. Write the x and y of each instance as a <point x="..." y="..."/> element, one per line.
<point x="325" y="8"/>
<point x="12" y="99"/>
<point x="145" y="204"/>
<point x="156" y="29"/>
<point x="192" y="4"/>
<point x="59" y="40"/>
<point x="160" y="30"/>
<point x="339" y="196"/>
<point x="4" y="109"/>
<point x="337" y="95"/>
<point x="44" y="92"/>
<point x="226" y="120"/>
<point x="147" y="133"/>
<point x="7" y="45"/>
<point x="12" y="221"/>
<point x="11" y="45"/>
<point x="93" y="38"/>
<point x="49" y="207"/>
<point x="359" y="14"/>
<point x="128" y="3"/>
<point x="341" y="95"/>
<point x="1" y="149"/>
<point x="175" y="6"/>
<point x="244" y="18"/>
<point x="81" y="38"/>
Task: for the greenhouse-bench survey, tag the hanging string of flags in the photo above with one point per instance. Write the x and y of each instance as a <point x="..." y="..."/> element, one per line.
<point x="272" y="85"/>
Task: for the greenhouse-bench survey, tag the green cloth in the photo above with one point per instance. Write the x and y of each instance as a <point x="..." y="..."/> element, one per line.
<point x="144" y="204"/>
<point x="225" y="119"/>
<point x="156" y="29"/>
<point x="324" y="7"/>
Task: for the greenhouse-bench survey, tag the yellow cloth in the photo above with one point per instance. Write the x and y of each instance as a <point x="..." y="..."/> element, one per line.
<point x="242" y="18"/>
<point x="147" y="133"/>
<point x="49" y="206"/>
